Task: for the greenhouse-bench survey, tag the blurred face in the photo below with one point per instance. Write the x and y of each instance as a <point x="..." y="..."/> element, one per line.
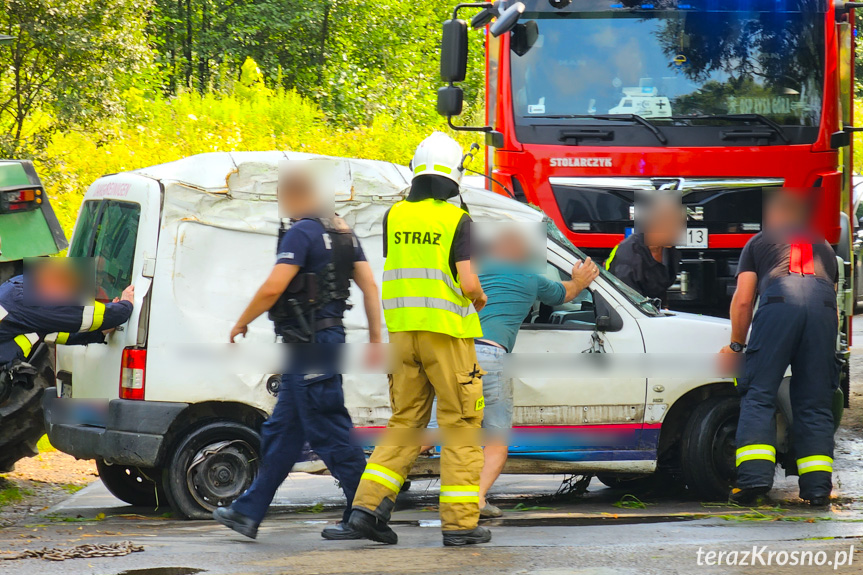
<point x="297" y="196"/>
<point x="510" y="246"/>
<point x="55" y="283"/>
<point x="665" y="224"/>
<point x="785" y="210"/>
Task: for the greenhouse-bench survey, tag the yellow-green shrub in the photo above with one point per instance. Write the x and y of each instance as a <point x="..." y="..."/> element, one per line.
<point x="251" y="117"/>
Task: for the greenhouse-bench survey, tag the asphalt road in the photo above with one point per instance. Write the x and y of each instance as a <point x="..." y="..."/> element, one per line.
<point x="545" y="535"/>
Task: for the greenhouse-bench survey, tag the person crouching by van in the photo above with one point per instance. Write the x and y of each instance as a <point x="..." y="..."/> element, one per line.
<point x="311" y="405"/>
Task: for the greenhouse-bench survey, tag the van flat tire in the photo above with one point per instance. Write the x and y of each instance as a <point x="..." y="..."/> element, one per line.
<point x="708" y="452"/>
<point x="134" y="485"/>
<point x="210" y="467"/>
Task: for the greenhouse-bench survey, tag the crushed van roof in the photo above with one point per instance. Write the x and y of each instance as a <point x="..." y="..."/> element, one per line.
<point x="253" y="176"/>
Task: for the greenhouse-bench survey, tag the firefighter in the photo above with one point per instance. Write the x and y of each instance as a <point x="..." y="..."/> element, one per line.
<point x="647" y="260"/>
<point x="44" y="306"/>
<point x="430" y="300"/>
<point x="306" y="295"/>
<point x="794" y="274"/>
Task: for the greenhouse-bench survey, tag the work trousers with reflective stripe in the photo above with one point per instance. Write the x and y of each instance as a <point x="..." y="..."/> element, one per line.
<point x="795" y="325"/>
<point x="428" y="364"/>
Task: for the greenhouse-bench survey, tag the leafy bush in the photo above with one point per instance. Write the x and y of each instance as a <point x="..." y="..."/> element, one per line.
<point x="155" y="129"/>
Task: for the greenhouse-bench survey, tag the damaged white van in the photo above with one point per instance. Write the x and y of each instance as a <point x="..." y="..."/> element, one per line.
<point x="196" y="237"/>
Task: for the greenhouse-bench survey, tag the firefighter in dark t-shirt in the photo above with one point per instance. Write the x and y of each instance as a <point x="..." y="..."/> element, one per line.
<point x="794" y="273"/>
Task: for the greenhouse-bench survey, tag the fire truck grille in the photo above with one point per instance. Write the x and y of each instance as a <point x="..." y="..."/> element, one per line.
<point x="606" y="205"/>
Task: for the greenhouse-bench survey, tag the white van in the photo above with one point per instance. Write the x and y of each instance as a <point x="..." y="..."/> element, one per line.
<point x="197" y="237"/>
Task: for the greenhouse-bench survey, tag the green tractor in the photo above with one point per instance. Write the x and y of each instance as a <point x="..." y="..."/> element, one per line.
<point x="28" y="228"/>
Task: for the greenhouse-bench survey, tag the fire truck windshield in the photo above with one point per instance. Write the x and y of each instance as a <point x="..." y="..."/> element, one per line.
<point x="689" y="72"/>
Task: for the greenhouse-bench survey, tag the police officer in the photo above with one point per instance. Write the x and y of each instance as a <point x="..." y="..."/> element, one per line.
<point x="44" y="305"/>
<point x="647" y="260"/>
<point x="306" y="295"/>
<point x="794" y="275"/>
<point x="430" y="300"/>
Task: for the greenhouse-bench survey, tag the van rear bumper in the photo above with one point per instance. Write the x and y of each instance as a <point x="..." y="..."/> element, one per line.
<point x="123" y="432"/>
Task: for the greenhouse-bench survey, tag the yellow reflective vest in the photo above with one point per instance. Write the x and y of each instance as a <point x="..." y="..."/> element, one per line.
<point x="419" y="290"/>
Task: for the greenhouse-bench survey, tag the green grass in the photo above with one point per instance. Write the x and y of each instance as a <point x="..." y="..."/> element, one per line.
<point x="629" y="501"/>
<point x="71" y="488"/>
<point x="11" y="493"/>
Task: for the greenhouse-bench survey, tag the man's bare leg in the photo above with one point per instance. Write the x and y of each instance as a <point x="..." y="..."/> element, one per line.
<point x="495" y="458"/>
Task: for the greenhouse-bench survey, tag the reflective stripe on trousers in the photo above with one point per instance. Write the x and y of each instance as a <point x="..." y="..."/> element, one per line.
<point x="459" y="493"/>
<point x="386" y="477"/>
<point x="756" y="451"/>
<point x="815" y="463"/>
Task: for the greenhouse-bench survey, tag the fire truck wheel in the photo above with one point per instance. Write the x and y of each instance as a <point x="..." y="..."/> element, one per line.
<point x="708" y="451"/>
<point x="210" y="467"/>
<point x="135" y="486"/>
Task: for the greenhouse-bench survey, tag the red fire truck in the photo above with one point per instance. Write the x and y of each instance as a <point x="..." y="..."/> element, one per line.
<point x="590" y="102"/>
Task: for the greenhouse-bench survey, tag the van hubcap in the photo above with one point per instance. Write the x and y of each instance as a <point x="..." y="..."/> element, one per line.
<point x="221" y="472"/>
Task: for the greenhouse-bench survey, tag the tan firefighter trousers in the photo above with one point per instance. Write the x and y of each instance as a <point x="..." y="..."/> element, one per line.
<point x="428" y="364"/>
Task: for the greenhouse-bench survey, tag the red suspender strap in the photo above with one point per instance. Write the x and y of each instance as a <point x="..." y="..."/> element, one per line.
<point x="801" y="261"/>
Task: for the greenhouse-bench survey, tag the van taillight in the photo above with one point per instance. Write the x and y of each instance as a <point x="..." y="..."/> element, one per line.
<point x="132" y="373"/>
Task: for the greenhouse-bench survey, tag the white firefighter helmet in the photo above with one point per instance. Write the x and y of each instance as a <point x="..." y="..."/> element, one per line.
<point x="438" y="155"/>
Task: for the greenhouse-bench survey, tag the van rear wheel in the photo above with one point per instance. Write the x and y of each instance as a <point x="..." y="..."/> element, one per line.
<point x="709" y="445"/>
<point x="210" y="467"/>
<point x="135" y="486"/>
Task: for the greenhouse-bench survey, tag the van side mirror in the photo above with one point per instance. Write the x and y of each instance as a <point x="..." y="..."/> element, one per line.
<point x="450" y="100"/>
<point x="453" y="47"/>
<point x="603" y="323"/>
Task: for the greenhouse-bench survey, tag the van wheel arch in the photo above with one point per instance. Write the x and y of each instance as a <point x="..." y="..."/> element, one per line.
<point x="674" y="424"/>
<point x="198" y="414"/>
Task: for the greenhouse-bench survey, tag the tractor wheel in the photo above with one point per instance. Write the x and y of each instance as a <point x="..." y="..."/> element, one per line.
<point x="22" y="422"/>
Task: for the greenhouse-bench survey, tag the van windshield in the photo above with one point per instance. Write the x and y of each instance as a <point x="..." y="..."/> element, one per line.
<point x="645" y="304"/>
<point x="107" y="231"/>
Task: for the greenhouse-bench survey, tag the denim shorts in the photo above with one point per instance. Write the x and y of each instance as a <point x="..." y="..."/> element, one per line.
<point x="496" y="389"/>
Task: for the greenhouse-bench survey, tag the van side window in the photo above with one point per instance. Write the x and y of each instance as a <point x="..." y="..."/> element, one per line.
<point x="578" y="313"/>
<point x="107" y="231"/>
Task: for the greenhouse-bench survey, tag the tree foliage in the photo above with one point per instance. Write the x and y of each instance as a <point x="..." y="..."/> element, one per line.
<point x="66" y="65"/>
<point x="355" y="58"/>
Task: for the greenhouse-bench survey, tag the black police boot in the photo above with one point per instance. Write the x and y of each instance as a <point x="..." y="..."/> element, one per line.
<point x="748" y="495"/>
<point x="467" y="537"/>
<point x="370" y="527"/>
<point x="340" y="532"/>
<point x="236" y="521"/>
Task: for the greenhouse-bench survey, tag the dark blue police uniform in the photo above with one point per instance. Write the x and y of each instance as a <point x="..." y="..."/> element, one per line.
<point x="22" y="326"/>
<point x="795" y="325"/>
<point x="311" y="404"/>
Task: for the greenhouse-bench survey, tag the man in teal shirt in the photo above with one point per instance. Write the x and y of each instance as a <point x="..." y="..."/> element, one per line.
<point x="512" y="288"/>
